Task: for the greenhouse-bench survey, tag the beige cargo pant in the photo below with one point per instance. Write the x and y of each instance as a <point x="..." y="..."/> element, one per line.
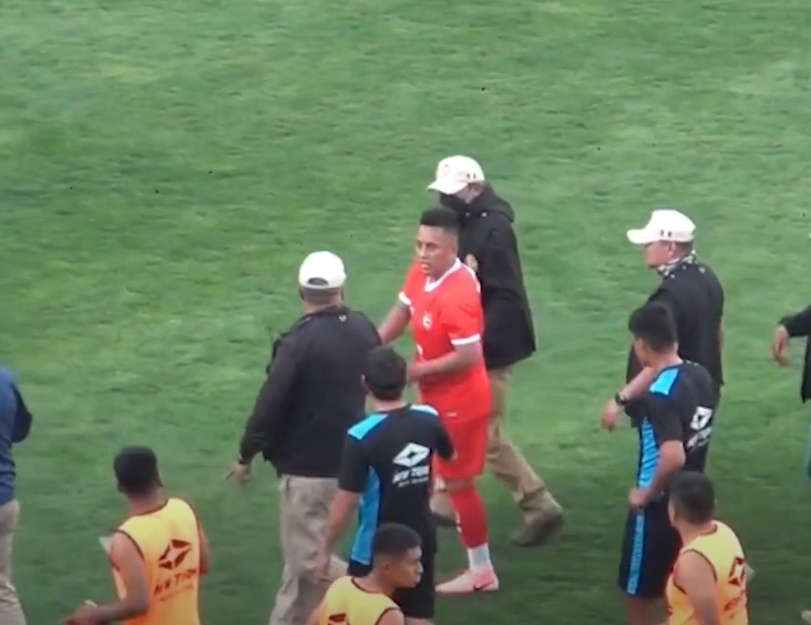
<point x="507" y="463"/>
<point x="304" y="505"/>
<point x="11" y="612"/>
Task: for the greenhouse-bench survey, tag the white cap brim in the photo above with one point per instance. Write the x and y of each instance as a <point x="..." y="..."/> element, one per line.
<point x="448" y="187"/>
<point x="641" y="236"/>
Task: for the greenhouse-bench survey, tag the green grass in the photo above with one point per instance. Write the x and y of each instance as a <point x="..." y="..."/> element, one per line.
<point x="165" y="165"/>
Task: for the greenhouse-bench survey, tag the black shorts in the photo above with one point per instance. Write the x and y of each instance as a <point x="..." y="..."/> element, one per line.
<point x="650" y="547"/>
<point x="417" y="602"/>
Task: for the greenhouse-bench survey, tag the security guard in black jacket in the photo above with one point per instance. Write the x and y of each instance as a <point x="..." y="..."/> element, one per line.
<point x="694" y="295"/>
<point x="487" y="244"/>
<point x="792" y="326"/>
<point x="312" y="394"/>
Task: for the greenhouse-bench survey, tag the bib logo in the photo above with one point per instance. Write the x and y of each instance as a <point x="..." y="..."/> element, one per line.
<point x="470" y="261"/>
<point x="177" y="574"/>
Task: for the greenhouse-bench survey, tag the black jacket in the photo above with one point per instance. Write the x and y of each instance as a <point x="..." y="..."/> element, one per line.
<point x="695" y="295"/>
<point x="312" y="393"/>
<point x="487" y="244"/>
<point x="800" y="325"/>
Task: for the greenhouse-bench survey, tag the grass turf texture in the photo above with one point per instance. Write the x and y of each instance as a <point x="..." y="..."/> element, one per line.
<point x="165" y="166"/>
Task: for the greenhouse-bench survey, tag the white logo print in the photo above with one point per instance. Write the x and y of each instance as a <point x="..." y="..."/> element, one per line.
<point x="412" y="455"/>
<point x="426" y="321"/>
<point x="414" y="459"/>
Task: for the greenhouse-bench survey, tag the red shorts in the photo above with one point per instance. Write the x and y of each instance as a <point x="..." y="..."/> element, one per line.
<point x="469" y="439"/>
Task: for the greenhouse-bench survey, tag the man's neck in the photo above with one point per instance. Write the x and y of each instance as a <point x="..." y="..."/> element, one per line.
<point x="388" y="406"/>
<point x="146" y="504"/>
<point x="437" y="275"/>
<point x="311" y="309"/>
<point x="691" y="532"/>
<point x="670" y="359"/>
<point x="373" y="583"/>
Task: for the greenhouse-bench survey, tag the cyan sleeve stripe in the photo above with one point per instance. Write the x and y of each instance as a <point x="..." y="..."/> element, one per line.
<point x="425" y="408"/>
<point x="664" y="382"/>
<point x="368" y="512"/>
<point x="361" y="429"/>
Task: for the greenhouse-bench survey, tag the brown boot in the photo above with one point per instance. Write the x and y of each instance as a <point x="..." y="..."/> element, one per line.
<point x="540" y="523"/>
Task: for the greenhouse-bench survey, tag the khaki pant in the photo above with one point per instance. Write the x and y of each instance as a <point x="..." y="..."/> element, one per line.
<point x="11" y="613"/>
<point x="507" y="462"/>
<point x="304" y="504"/>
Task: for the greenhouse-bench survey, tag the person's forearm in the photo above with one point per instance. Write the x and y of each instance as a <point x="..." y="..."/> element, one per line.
<point x="122" y="610"/>
<point x="394" y="324"/>
<point x="340" y="513"/>
<point x="706" y="611"/>
<point x="668" y="465"/>
<point x="639" y="384"/>
<point x="450" y="363"/>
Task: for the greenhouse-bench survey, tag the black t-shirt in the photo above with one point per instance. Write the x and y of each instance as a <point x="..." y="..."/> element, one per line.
<point x="694" y="294"/>
<point x="387" y="458"/>
<point x="679" y="406"/>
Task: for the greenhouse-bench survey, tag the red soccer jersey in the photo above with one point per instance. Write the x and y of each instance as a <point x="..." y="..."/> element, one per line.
<point x="445" y="313"/>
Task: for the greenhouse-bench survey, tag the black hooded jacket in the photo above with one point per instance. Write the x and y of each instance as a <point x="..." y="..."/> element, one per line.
<point x="488" y="245"/>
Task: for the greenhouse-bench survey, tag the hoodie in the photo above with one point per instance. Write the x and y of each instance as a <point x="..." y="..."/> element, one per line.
<point x="487" y="244"/>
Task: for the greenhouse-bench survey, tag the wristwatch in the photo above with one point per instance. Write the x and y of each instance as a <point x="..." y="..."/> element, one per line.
<point x="620" y="399"/>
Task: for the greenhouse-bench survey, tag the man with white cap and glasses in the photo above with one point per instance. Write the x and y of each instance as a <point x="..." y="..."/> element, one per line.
<point x="691" y="290"/>
<point x="488" y="246"/>
<point x="695" y="297"/>
<point x="311" y="396"/>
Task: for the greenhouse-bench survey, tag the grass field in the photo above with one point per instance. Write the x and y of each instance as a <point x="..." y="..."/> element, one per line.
<point x="165" y="166"/>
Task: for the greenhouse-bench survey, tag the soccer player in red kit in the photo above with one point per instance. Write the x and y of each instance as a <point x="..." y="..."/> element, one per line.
<point x="441" y="300"/>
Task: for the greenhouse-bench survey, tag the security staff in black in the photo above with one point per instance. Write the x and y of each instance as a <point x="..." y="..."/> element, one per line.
<point x="674" y="434"/>
<point x="311" y="396"/>
<point x="487" y="244"/>
<point x="693" y="293"/>
<point x="793" y="326"/>
<point x="385" y="476"/>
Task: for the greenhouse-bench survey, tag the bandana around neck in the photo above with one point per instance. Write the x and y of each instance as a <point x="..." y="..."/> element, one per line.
<point x="668" y="268"/>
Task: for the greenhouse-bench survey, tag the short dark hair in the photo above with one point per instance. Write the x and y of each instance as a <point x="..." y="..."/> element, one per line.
<point x="385" y="373"/>
<point x="653" y="324"/>
<point x="319" y="296"/>
<point x="693" y="497"/>
<point x="445" y="218"/>
<point x="136" y="470"/>
<point x="394" y="540"/>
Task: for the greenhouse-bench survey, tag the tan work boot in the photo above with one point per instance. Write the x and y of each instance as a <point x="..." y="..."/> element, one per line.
<point x="540" y="523"/>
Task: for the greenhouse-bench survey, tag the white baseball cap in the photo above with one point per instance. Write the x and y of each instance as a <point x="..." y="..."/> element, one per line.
<point x="322" y="270"/>
<point x="664" y="225"/>
<point x="454" y="173"/>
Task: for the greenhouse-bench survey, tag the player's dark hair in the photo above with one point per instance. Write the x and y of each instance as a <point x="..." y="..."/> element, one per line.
<point x="445" y="218"/>
<point x="394" y="540"/>
<point x="385" y="373"/>
<point x="653" y="323"/>
<point x="136" y="470"/>
<point x="693" y="497"/>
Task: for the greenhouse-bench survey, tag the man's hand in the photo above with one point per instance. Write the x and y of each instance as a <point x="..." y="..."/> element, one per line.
<point x="240" y="473"/>
<point x="608" y="417"/>
<point x="87" y="614"/>
<point x="416" y="372"/>
<point x="780" y="343"/>
<point x="638" y="498"/>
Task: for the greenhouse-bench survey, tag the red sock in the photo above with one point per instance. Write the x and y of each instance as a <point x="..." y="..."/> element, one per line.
<point x="471" y="515"/>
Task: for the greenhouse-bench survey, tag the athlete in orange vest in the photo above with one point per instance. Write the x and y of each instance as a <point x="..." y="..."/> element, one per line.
<point x="708" y="582"/>
<point x="157" y="555"/>
<point x="396" y="563"/>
